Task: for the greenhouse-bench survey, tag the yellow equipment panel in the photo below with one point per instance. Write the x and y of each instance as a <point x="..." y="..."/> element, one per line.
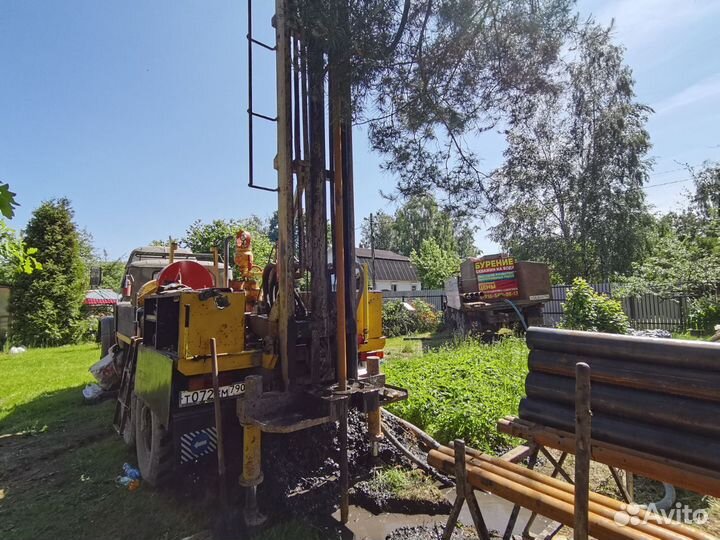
<point x="370" y="321"/>
<point x="201" y="320"/>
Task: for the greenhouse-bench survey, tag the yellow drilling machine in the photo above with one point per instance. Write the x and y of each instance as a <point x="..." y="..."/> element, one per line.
<point x="286" y="346"/>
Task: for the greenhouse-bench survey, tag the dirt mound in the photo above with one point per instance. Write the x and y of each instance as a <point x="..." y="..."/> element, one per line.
<point x="301" y="469"/>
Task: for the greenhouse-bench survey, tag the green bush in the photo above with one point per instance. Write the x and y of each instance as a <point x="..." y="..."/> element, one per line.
<point x="400" y="321"/>
<point x="586" y="309"/>
<point x="462" y="390"/>
<point x="704" y="313"/>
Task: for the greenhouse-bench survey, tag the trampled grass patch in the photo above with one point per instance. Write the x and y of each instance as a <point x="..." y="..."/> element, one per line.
<point x="460" y="391"/>
<point x="411" y="484"/>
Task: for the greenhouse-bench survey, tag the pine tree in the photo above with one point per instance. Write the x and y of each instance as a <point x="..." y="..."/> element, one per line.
<point x="45" y="305"/>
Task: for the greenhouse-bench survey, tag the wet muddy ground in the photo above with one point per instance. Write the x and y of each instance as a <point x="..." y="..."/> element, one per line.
<point x="304" y="483"/>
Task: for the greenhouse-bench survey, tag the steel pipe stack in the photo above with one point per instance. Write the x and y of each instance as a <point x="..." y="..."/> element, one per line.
<point x="554" y="498"/>
<point x="656" y="396"/>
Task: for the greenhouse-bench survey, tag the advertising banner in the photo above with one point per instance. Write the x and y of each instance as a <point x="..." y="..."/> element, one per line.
<point x="496" y="277"/>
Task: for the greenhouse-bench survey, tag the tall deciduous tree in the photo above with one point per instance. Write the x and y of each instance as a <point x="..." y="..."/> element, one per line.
<point x="45" y="305"/>
<point x="201" y="237"/>
<point x="420" y="218"/>
<point x="434" y="264"/>
<point x="570" y="192"/>
<point x="427" y="75"/>
<point x="383" y="232"/>
<point x="706" y="200"/>
<point x="685" y="254"/>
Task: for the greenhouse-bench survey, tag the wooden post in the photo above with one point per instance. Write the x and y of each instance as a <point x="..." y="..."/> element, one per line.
<point x="630" y="485"/>
<point x="464" y="492"/>
<point x="510" y="527"/>
<point x="216" y="267"/>
<point x="582" y="449"/>
<point x="222" y="481"/>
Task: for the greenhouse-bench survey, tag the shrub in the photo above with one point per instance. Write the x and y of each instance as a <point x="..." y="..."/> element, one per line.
<point x="400" y="321"/>
<point x="704" y="313"/>
<point x="586" y="309"/>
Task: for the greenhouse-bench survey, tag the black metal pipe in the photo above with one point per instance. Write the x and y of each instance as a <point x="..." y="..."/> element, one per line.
<point x="668" y="352"/>
<point x="668" y="442"/>
<point x="678" y="381"/>
<point x="698" y="416"/>
<point x="321" y="365"/>
<point x="351" y="296"/>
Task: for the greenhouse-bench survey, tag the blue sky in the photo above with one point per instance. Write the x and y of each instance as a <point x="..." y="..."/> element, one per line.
<point x="135" y="110"/>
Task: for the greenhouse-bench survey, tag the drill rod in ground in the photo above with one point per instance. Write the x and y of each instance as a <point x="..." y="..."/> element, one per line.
<point x="344" y="472"/>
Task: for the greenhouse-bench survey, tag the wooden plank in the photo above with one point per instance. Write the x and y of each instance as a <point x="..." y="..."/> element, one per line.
<point x="582" y="450"/>
<point x="517" y="454"/>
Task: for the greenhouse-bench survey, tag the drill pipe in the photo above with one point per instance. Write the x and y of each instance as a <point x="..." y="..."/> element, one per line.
<point x="681" y="474"/>
<point x="562" y="491"/>
<point x="668" y="352"/>
<point x="701" y="417"/>
<point x="653" y="439"/>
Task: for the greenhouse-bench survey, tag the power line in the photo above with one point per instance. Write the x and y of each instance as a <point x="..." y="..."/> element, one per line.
<point x="667" y="183"/>
<point x="669" y="171"/>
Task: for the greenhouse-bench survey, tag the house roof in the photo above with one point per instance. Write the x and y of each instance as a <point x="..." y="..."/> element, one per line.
<point x="366" y="253"/>
<point x="389" y="266"/>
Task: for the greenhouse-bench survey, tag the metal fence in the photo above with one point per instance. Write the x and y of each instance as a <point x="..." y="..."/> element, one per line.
<point x="645" y="312"/>
<point x="434" y="297"/>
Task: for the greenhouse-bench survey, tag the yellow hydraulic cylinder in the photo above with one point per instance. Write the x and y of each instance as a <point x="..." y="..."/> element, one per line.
<point x="374" y="427"/>
<point x="252" y="471"/>
<point x="373" y="415"/>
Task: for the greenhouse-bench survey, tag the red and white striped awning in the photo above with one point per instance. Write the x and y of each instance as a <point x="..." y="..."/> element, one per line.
<point x="101" y="297"/>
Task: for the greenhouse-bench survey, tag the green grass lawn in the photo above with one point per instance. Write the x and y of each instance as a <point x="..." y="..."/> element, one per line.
<point x="59" y="458"/>
<point x="415" y="345"/>
<point x="462" y="389"/>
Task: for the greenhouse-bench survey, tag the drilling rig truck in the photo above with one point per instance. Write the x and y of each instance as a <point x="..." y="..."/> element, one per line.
<point x="281" y="344"/>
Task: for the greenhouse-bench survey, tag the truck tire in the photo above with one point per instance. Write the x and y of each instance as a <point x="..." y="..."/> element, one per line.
<point x="153" y="445"/>
<point x="107" y="334"/>
<point x="128" y="434"/>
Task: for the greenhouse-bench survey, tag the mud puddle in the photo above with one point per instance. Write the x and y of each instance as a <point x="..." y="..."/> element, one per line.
<point x="366" y="526"/>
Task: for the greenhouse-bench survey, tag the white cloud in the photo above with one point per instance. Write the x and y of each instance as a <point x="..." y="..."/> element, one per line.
<point x="639" y="23"/>
<point x="705" y="89"/>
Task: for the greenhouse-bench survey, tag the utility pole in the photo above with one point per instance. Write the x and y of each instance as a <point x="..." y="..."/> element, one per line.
<point x="372" y="251"/>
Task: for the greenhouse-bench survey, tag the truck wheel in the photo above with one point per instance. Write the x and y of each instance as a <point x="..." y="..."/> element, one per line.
<point x="107" y="334"/>
<point x="128" y="434"/>
<point x="153" y="445"/>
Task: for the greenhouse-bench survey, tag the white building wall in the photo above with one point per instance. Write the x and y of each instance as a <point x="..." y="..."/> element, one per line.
<point x="383" y="285"/>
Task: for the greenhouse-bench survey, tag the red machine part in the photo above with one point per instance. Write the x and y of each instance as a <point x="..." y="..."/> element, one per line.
<point x="189" y="273"/>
